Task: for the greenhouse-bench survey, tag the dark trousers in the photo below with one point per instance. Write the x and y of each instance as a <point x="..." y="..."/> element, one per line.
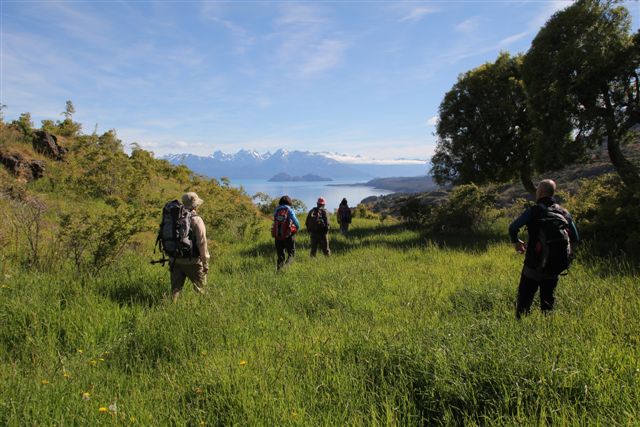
<point x="288" y="247"/>
<point x="344" y="228"/>
<point x="527" y="290"/>
<point x="322" y="240"/>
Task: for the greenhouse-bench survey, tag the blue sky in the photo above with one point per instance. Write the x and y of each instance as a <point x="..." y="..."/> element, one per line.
<point x="198" y="76"/>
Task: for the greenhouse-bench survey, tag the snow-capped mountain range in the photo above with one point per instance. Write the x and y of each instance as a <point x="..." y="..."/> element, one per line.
<point x="250" y="164"/>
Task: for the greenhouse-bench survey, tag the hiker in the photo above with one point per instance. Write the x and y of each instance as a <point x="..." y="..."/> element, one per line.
<point x="546" y="255"/>
<point x="195" y="265"/>
<point x="317" y="224"/>
<point x="344" y="216"/>
<point x="285" y="227"/>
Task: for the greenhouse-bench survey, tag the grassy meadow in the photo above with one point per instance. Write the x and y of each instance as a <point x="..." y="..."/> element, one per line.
<point x="395" y="328"/>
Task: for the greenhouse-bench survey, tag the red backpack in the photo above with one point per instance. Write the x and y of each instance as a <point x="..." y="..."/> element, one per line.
<point x="283" y="227"/>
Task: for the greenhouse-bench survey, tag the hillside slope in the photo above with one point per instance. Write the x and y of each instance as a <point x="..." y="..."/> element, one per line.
<point x="568" y="180"/>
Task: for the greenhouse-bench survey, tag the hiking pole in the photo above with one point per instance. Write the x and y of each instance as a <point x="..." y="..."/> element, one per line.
<point x="159" y="261"/>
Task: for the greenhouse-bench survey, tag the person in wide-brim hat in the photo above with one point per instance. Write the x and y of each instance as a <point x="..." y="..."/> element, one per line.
<point x="196" y="266"/>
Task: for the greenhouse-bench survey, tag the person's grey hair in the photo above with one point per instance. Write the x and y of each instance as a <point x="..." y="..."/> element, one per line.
<point x="547" y="187"/>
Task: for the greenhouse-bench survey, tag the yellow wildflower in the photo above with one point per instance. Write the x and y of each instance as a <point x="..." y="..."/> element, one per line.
<point x="93" y="362"/>
<point x="243" y="362"/>
<point x="103" y="410"/>
<point x="44" y="382"/>
<point x="80" y="351"/>
<point x="86" y="395"/>
<point x="101" y="359"/>
<point x="66" y="374"/>
<point x="202" y="423"/>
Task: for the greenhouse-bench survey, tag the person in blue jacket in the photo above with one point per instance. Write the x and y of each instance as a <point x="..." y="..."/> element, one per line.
<point x="285" y="227"/>
<point x="531" y="277"/>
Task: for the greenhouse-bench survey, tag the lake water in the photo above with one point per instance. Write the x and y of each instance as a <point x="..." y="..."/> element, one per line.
<point x="309" y="192"/>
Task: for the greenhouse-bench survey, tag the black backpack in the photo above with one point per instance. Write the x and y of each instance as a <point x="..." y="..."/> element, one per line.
<point x="175" y="237"/>
<point x="318" y="221"/>
<point x="344" y="213"/>
<point x="553" y="244"/>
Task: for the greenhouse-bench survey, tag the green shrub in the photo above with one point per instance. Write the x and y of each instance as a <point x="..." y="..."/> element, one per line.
<point x="608" y="215"/>
<point x="94" y="242"/>
<point x="468" y="207"/>
<point x="267" y="205"/>
<point x="414" y="212"/>
<point x="362" y="211"/>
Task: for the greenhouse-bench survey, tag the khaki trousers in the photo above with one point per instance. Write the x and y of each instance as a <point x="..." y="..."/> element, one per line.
<point x="180" y="271"/>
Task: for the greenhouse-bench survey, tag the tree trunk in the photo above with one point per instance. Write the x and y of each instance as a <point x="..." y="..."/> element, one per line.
<point x="527" y="182"/>
<point x="628" y="171"/>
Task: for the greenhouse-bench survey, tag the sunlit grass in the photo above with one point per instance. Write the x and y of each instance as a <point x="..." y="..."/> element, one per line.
<point x="394" y="328"/>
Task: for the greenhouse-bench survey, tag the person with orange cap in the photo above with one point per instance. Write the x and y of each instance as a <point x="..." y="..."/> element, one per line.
<point x="317" y="224"/>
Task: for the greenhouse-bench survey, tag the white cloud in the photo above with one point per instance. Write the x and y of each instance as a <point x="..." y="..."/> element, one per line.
<point x="300" y="14"/>
<point x="242" y="38"/>
<point x="83" y="26"/>
<point x="263" y="102"/>
<point x="513" y="38"/>
<point x="357" y="159"/>
<point x="467" y="25"/>
<point x="417" y="13"/>
<point x="306" y="45"/>
<point x="327" y="55"/>
<point x="550" y="7"/>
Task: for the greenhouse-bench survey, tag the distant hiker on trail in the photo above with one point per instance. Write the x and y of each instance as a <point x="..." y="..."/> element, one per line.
<point x="549" y="249"/>
<point x="284" y="229"/>
<point x="317" y="224"/>
<point x="183" y="238"/>
<point x="344" y="216"/>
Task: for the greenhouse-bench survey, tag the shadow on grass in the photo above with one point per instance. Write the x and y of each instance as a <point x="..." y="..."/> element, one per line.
<point x="130" y="294"/>
<point x="396" y="237"/>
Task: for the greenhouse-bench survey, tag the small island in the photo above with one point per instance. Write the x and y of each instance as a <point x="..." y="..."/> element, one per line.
<point x="284" y="177"/>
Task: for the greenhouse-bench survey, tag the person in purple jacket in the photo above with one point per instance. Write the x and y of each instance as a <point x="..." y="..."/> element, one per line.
<point x="533" y="276"/>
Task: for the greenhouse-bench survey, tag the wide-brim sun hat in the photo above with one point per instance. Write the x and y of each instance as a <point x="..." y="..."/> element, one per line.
<point x="191" y="200"/>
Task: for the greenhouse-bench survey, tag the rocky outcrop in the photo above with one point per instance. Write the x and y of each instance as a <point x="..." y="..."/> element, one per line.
<point x="21" y="167"/>
<point x="47" y="144"/>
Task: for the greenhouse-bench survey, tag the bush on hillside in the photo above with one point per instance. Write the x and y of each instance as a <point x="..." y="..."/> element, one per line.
<point x="267" y="204"/>
<point x="467" y="207"/>
<point x="361" y="211"/>
<point x="95" y="241"/>
<point x="607" y="214"/>
<point x="227" y="212"/>
<point x="415" y="212"/>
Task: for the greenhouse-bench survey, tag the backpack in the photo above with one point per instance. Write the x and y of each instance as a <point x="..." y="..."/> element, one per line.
<point x="553" y="245"/>
<point x="344" y="213"/>
<point x="175" y="237"/>
<point x="283" y="227"/>
<point x="317" y="221"/>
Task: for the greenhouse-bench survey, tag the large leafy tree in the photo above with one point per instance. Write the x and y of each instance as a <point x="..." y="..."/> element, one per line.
<point x="484" y="132"/>
<point x="581" y="75"/>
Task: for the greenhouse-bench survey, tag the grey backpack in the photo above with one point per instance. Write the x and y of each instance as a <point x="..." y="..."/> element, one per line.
<point x="175" y="237"/>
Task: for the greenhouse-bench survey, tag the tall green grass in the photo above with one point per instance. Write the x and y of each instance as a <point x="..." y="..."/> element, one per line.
<point x="395" y="328"/>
